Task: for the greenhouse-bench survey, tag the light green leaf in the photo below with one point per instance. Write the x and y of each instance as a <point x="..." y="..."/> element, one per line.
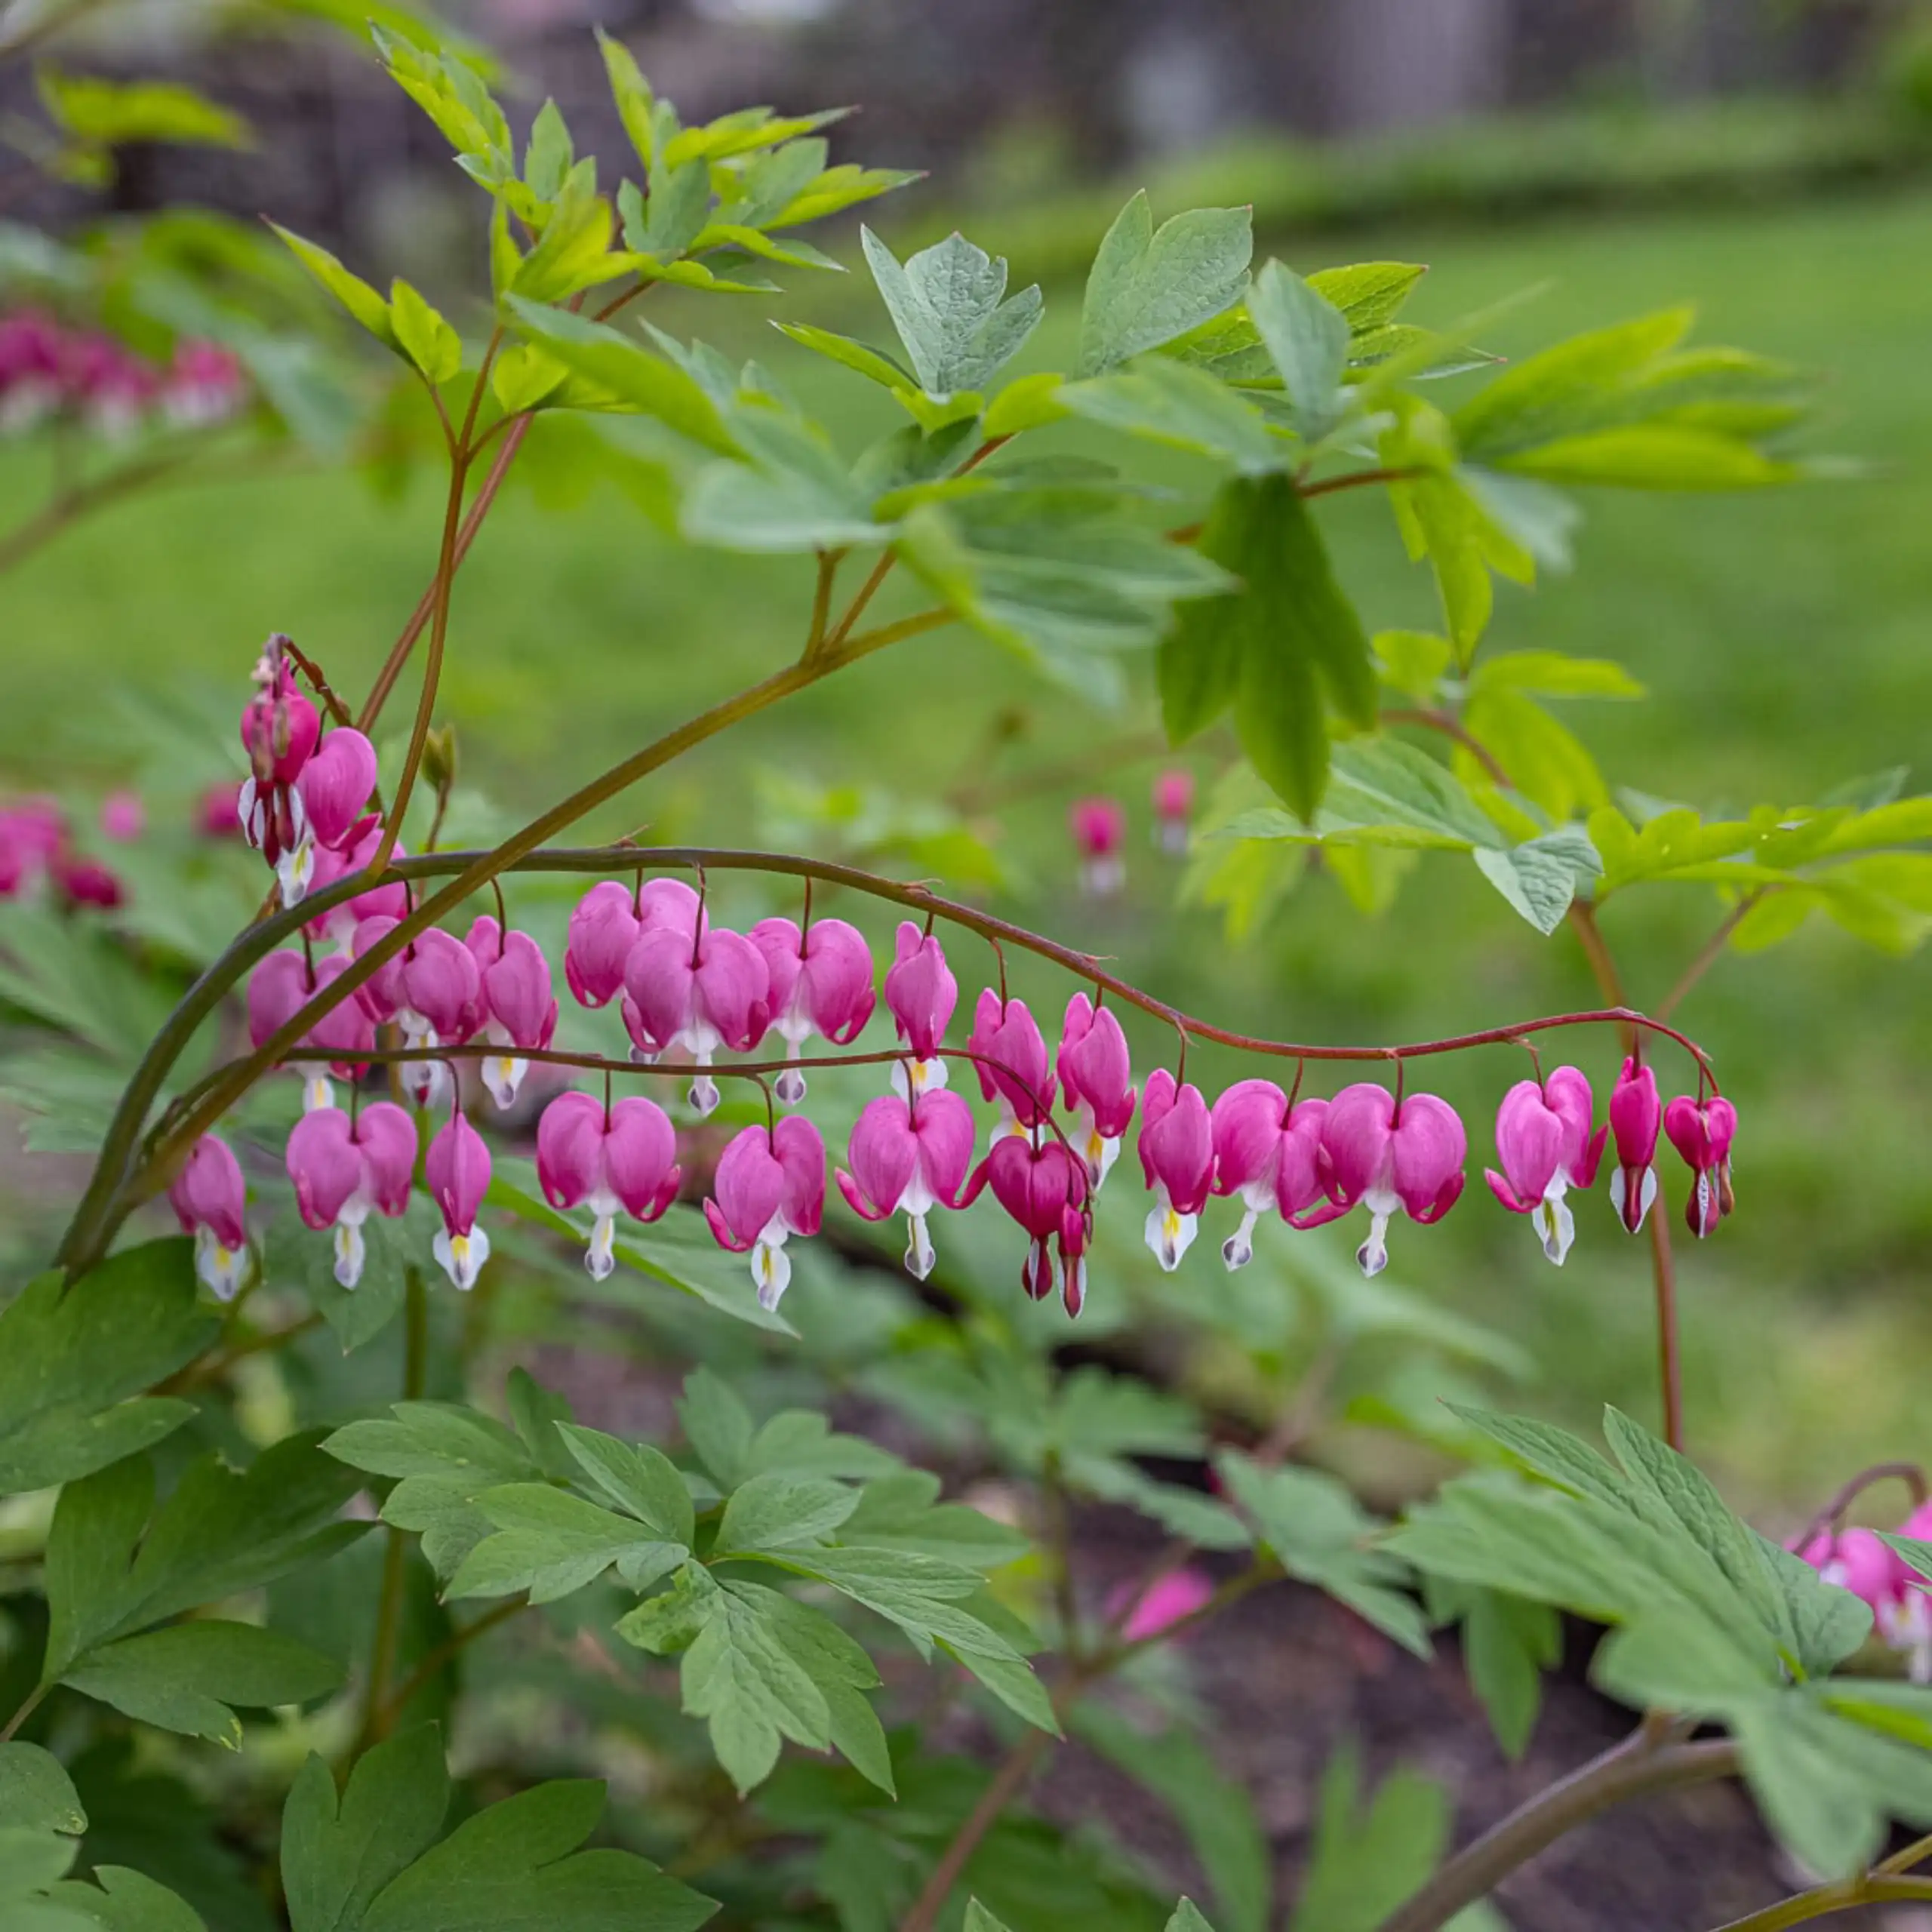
<point x="423" y="336"/>
<point x="1167" y="402"/>
<point x="552" y="1544"/>
<point x="718" y="1426"/>
<point x="641" y="1481"/>
<point x="949" y="306"/>
<point x="781" y="1512"/>
<point x="1654" y="456"/>
<point x="1148" y="286"/>
<point x="350" y="289"/>
<point x="1368" y="1858"/>
<point x="1541" y="877"/>
<point x="547" y="160"/>
<point x="74" y="1364"/>
<point x="851" y="354"/>
<point x="744" y="1682"/>
<point x="1307" y="338"/>
<point x="110" y="113"/>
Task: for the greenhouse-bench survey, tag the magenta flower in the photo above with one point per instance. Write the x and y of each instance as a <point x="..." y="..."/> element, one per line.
<point x="218" y="810"/>
<point x="1097" y="1075"/>
<point x="204" y="386"/>
<point x="1636" y="1115"/>
<point x="1173" y="806"/>
<point x="1166" y="1602"/>
<point x="210" y="1201"/>
<point x="279" y="989"/>
<point x="1408" y="1161"/>
<point x="334" y="786"/>
<point x="920" y="994"/>
<point x="32" y="836"/>
<point x="820" y="981"/>
<point x="279" y="728"/>
<point x="342" y="1169"/>
<point x="1099" y="830"/>
<point x="84" y="881"/>
<point x="624" y="1161"/>
<point x="123" y="816"/>
<point x="457" y="1171"/>
<point x="1702" y="1132"/>
<point x="1271" y="1158"/>
<point x="1177" y="1156"/>
<point x="433" y="990"/>
<point x="30" y="357"/>
<point x="520" y="1009"/>
<point x="1544" y="1141"/>
<point x="770" y="1185"/>
<point x="609" y="919"/>
<point x="1861" y="1561"/>
<point x="1011" y="1062"/>
<point x="908" y="1159"/>
<point x="1043" y="1189"/>
<point x="390" y="900"/>
<point x="695" y="995"/>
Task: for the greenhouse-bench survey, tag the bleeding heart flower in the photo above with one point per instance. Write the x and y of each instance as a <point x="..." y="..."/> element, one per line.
<point x="390" y="900"/>
<point x="770" y="1185"/>
<point x="433" y="991"/>
<point x="279" y="728"/>
<point x="1702" y="1132"/>
<point x="1099" y="831"/>
<point x="695" y="995"/>
<point x="343" y="1168"/>
<point x="1166" y="1602"/>
<point x="1173" y="805"/>
<point x="920" y="994"/>
<point x="1177" y="1156"/>
<point x="1043" y="1188"/>
<point x="210" y="1200"/>
<point x="457" y="1171"/>
<point x="123" y="816"/>
<point x="83" y="881"/>
<point x="1389" y="1160"/>
<point x="279" y="989"/>
<point x="625" y="1160"/>
<point x="334" y="786"/>
<point x="1636" y="1115"/>
<point x="521" y="1010"/>
<point x="1010" y="1059"/>
<point x="1097" y="1075"/>
<point x="907" y="1158"/>
<point x="1272" y="1158"/>
<point x="820" y="981"/>
<point x="1861" y="1561"/>
<point x="1544" y="1140"/>
<point x="609" y="919"/>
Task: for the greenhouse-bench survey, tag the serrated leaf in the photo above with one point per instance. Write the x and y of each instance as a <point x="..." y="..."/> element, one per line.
<point x="74" y="1364"/>
<point x="782" y="1512"/>
<point x="949" y="306"/>
<point x="552" y="1544"/>
<point x="640" y="1480"/>
<point x="1148" y="285"/>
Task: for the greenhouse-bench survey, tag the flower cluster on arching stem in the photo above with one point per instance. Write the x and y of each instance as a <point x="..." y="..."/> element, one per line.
<point x="688" y="988"/>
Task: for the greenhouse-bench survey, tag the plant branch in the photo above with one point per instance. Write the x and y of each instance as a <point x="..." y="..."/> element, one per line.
<point x="1450" y="726"/>
<point x="1710" y="952"/>
<point x="1635" y="1768"/>
<point x="1358" y="479"/>
<point x="31" y="1704"/>
<point x="437" y="1660"/>
<point x="1823" y="1900"/>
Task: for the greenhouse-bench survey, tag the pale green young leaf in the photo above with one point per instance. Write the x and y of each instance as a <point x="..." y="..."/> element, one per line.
<point x="338" y="1850"/>
<point x="1654" y="456"/>
<point x="423" y="335"/>
<point x="187" y="1677"/>
<point x="627" y="373"/>
<point x="1369" y="295"/>
<point x="74" y="1364"/>
<point x="1167" y="402"/>
<point x="631" y="93"/>
<point x="1307" y="338"/>
<point x="745" y="131"/>
<point x="108" y="113"/>
<point x="36" y="1794"/>
<point x="523" y="378"/>
<point x="449" y="91"/>
<point x="1148" y="285"/>
<point x="949" y="306"/>
<point x="573" y="252"/>
<point x="354" y="293"/>
<point x="1541" y="877"/>
<point x="516" y="1867"/>
<point x="1413" y="662"/>
<point x="837" y="188"/>
<point x="1027" y="402"/>
<point x="755" y="242"/>
<point x="548" y="158"/>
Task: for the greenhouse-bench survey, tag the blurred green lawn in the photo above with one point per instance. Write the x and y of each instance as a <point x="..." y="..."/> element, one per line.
<point x="1785" y="638"/>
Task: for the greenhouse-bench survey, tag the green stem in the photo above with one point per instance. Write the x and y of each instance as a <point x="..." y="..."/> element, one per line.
<point x="1635" y="1768"/>
<point x="439" y="1659"/>
<point x="378" y="1708"/>
<point x="27" y="1710"/>
<point x="1825" y="1900"/>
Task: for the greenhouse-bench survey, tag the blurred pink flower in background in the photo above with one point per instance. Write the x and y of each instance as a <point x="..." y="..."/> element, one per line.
<point x="1164" y="1603"/>
<point x="1173" y="806"/>
<point x="123" y="816"/>
<point x="1099" y="830"/>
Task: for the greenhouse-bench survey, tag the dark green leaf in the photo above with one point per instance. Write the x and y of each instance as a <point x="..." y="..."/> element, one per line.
<point x="339" y="1851"/>
<point x="36" y="1794"/>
